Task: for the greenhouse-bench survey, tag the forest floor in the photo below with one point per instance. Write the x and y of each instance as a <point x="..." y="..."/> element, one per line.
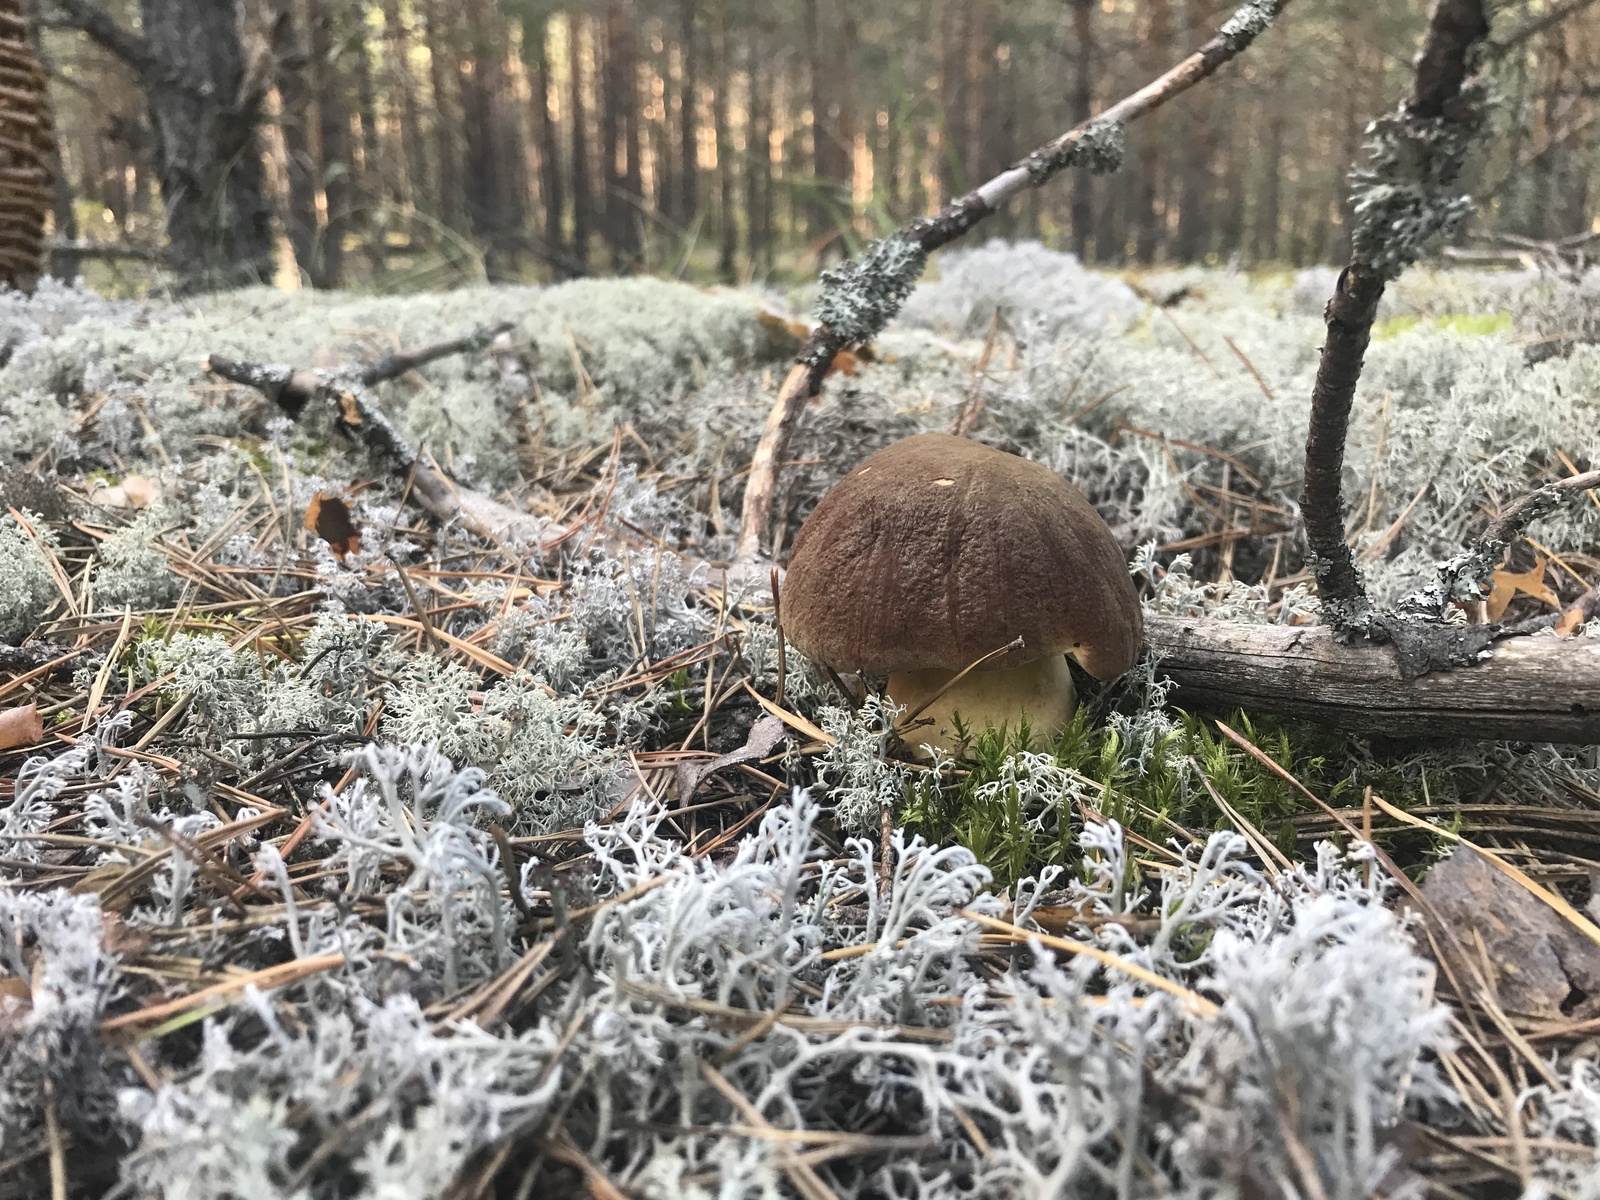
<point x="347" y="853"/>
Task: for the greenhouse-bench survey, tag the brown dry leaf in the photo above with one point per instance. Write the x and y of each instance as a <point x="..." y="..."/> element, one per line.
<point x="1543" y="966"/>
<point x="764" y="735"/>
<point x="1530" y="583"/>
<point x="22" y="726"/>
<point x="349" y="408"/>
<point x="329" y="518"/>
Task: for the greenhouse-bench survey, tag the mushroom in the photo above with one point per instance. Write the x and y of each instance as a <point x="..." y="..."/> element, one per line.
<point x="937" y="553"/>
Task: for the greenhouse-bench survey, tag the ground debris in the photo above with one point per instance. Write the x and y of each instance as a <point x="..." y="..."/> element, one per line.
<point x="1540" y="965"/>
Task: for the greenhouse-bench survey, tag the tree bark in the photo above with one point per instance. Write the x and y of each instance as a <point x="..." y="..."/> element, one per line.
<point x="28" y="155"/>
<point x="374" y="187"/>
<point x="205" y="109"/>
<point x="1544" y="689"/>
<point x="300" y="221"/>
<point x="583" y="209"/>
<point x="758" y="161"/>
<point x="449" y="198"/>
<point x="492" y="180"/>
<point x="689" y="118"/>
<point x="1082" y="110"/>
<point x="722" y="119"/>
<point x="1151" y="224"/>
<point x="536" y="58"/>
<point x="335" y="167"/>
<point x="417" y="190"/>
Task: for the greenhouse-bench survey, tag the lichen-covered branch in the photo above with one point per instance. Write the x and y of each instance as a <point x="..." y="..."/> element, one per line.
<point x="348" y="396"/>
<point x="860" y="297"/>
<point x="1466" y="577"/>
<point x="1405" y="196"/>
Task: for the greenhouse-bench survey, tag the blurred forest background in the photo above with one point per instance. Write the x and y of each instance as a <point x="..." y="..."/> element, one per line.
<point x="399" y="144"/>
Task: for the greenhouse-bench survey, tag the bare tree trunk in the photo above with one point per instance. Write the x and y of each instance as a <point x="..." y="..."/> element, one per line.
<point x="1082" y="110"/>
<point x="1198" y="149"/>
<point x="619" y="138"/>
<point x="689" y="118"/>
<point x="374" y="187"/>
<point x="417" y="189"/>
<point x="582" y="194"/>
<point x="449" y="201"/>
<point x="818" y="61"/>
<point x="721" y="118"/>
<point x="493" y="179"/>
<point x="1269" y="216"/>
<point x="632" y="227"/>
<point x="536" y="57"/>
<point x="1156" y="34"/>
<point x="300" y="222"/>
<point x="333" y="139"/>
<point x="205" y="109"/>
<point x="758" y="164"/>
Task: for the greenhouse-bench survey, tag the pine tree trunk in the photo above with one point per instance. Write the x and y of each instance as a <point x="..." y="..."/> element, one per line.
<point x="583" y="213"/>
<point x="631" y="227"/>
<point x="1196" y="151"/>
<point x="449" y="200"/>
<point x="300" y="221"/>
<point x="334" y="164"/>
<point x="1082" y="101"/>
<point x="758" y="161"/>
<point x="1154" y="56"/>
<point x="663" y="144"/>
<point x="536" y="57"/>
<point x="722" y="119"/>
<point x="27" y="151"/>
<point x="205" y="111"/>
<point x="373" y="190"/>
<point x="417" y="190"/>
<point x="689" y="119"/>
<point x="1269" y="216"/>
<point x="491" y="179"/>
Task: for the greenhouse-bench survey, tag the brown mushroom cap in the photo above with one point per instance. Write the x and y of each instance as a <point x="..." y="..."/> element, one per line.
<point x="938" y="550"/>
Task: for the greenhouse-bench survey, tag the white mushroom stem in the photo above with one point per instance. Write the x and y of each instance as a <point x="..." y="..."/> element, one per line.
<point x="1040" y="692"/>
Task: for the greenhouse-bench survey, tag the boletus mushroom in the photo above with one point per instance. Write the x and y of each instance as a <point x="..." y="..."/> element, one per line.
<point x="938" y="551"/>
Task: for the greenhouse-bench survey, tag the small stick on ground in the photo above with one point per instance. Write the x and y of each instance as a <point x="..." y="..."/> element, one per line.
<point x="358" y="413"/>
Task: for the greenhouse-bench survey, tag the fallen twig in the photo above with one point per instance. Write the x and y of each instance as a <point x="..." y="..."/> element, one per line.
<point x="347" y="395"/>
<point x="1539" y="689"/>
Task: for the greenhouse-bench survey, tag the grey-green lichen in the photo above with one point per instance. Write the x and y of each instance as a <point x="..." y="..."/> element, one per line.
<point x="1408" y="192"/>
<point x="860" y="297"/>
<point x="1248" y="22"/>
<point x="1098" y="149"/>
<point x="26" y="588"/>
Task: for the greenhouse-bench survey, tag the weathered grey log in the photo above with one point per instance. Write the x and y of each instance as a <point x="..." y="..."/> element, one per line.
<point x="1544" y="689"/>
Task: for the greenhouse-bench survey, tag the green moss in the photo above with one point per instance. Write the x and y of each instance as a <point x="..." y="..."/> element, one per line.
<point x="1016" y="811"/>
<point x="1485" y="324"/>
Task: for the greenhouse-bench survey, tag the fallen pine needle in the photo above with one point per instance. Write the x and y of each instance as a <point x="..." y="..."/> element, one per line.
<point x="1197" y="1003"/>
<point x="271" y="977"/>
<point x="1552" y="898"/>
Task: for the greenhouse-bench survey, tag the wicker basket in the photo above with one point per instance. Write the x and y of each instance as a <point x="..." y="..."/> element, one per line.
<point x="26" y="146"/>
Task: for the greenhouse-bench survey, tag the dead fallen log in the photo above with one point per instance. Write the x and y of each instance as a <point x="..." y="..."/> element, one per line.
<point x="1541" y="689"/>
